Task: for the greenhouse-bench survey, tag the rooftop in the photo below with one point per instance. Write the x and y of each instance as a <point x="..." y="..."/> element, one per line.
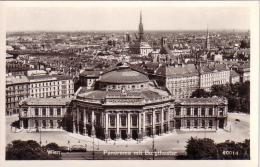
<point x="46" y="101"/>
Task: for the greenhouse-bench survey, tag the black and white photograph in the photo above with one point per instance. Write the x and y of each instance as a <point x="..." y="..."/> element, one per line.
<point x="130" y="81"/>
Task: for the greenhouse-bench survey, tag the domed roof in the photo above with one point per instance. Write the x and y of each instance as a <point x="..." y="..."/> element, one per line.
<point x="123" y="74"/>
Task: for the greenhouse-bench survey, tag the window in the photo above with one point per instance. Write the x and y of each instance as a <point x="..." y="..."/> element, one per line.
<point x="195" y="111"/>
<point x="123" y="120"/>
<point x="149" y="119"/>
<point x="195" y="123"/>
<point x="188" y="111"/>
<point x="210" y="123"/>
<point x="112" y="120"/>
<point x="44" y="111"/>
<point x="36" y="111"/>
<point x="43" y="123"/>
<point x="157" y="116"/>
<point x="58" y="111"/>
<point x="188" y="123"/>
<point x="203" y="123"/>
<point x="36" y="123"/>
<point x="134" y="120"/>
<point x="51" y="111"/>
<point x="178" y="111"/>
<point x="210" y="111"/>
<point x="164" y="115"/>
<point x="51" y="123"/>
<point x="203" y="111"/>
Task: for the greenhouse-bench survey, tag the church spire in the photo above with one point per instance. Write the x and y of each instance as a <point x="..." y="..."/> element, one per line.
<point x="141" y="29"/>
<point x="207" y="40"/>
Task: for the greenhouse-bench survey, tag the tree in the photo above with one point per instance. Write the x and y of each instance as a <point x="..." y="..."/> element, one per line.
<point x="200" y="93"/>
<point x="233" y="150"/>
<point x="27" y="150"/>
<point x="201" y="149"/>
<point x="52" y="146"/>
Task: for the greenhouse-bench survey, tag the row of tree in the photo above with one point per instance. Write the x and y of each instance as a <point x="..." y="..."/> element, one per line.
<point x="206" y="149"/>
<point x="238" y="95"/>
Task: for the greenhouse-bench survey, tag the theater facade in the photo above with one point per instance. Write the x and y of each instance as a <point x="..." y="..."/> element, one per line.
<point x="124" y="103"/>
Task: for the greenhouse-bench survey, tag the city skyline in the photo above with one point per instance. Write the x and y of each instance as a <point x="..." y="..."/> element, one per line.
<point x="122" y="18"/>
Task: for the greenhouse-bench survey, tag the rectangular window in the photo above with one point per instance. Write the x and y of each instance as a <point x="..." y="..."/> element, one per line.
<point x="51" y="111"/>
<point x="36" y="111"/>
<point x="112" y="120"/>
<point x="123" y="120"/>
<point x="44" y="111"/>
<point x="203" y="111"/>
<point x="178" y="111"/>
<point x="157" y="116"/>
<point x="203" y="123"/>
<point x="210" y="123"/>
<point x="188" y="123"/>
<point x="58" y="111"/>
<point x="195" y="123"/>
<point x="188" y="111"/>
<point x="195" y="111"/>
<point x="210" y="111"/>
<point x="134" y="120"/>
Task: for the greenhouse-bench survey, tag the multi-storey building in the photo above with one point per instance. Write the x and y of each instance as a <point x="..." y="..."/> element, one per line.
<point x="213" y="74"/>
<point x="42" y="113"/>
<point x="44" y="86"/>
<point x="17" y="88"/>
<point x="182" y="81"/>
<point x="15" y="67"/>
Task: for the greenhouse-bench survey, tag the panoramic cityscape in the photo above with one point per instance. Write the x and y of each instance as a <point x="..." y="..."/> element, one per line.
<point x="128" y="94"/>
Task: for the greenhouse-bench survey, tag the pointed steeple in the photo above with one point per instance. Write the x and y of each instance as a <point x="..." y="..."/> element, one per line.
<point x="207" y="40"/>
<point x="141" y="29"/>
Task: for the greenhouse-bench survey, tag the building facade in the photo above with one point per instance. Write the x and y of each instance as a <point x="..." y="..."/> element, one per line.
<point x="125" y="105"/>
<point x="44" y="86"/>
<point x="17" y="89"/>
<point x="213" y="74"/>
<point x="43" y="114"/>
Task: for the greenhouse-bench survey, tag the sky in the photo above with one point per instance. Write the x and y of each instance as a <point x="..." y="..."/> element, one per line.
<point x="125" y="16"/>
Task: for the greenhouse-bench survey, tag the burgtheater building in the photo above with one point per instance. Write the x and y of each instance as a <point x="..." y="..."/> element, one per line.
<point x="124" y="103"/>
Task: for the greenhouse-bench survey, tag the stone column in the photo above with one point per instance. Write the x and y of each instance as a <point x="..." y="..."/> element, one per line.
<point x="84" y="123"/>
<point x="106" y="125"/>
<point x="128" y="125"/>
<point x="74" y="122"/>
<point x="77" y="120"/>
<point x="169" y="121"/>
<point x="144" y="124"/>
<point x="162" y="120"/>
<point x="153" y="124"/>
<point x="92" y="123"/>
<point x="140" y="125"/>
<point x="117" y="126"/>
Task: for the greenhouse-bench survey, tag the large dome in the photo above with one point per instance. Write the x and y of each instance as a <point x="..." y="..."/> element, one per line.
<point x="125" y="75"/>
